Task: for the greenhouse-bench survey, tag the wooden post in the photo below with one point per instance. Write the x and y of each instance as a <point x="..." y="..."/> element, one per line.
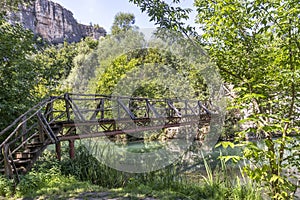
<point x="58" y="150"/>
<point x="24" y="128"/>
<point x="186" y="107"/>
<point x="51" y="117"/>
<point x="67" y="106"/>
<point x="71" y="149"/>
<point x="147" y="110"/>
<point x="7" y="166"/>
<point x="102" y="108"/>
<point x="40" y="128"/>
<point x="118" y="107"/>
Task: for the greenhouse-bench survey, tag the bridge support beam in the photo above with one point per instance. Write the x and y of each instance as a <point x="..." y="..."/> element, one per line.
<point x="58" y="151"/>
<point x="71" y="149"/>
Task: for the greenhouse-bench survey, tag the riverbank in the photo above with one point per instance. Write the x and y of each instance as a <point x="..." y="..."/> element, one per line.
<point x="196" y="175"/>
<point x="86" y="178"/>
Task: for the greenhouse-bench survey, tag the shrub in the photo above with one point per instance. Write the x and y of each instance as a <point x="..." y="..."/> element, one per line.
<point x="6" y="187"/>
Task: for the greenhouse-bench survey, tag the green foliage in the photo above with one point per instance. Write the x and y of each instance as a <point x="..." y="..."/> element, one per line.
<point x="53" y="179"/>
<point x="85" y="167"/>
<point x="6" y="187"/>
<point x="258" y="159"/>
<point x="166" y="16"/>
<point x="8" y="5"/>
<point x="59" y="62"/>
<point x="18" y="72"/>
<point x="114" y="45"/>
<point x="45" y="183"/>
<point x="51" y="184"/>
<point x="26" y="75"/>
<point x="123" y="22"/>
<point x="84" y="65"/>
<point x="166" y="183"/>
<point x="255" y="46"/>
<point x="154" y="83"/>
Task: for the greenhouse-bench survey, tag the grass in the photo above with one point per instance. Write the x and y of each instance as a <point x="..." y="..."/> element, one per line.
<point x="47" y="186"/>
<point x="51" y="179"/>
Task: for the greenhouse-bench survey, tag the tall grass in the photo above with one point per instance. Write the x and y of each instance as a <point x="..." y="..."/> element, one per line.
<point x="85" y="167"/>
<point x="229" y="184"/>
<point x="217" y="184"/>
<point x="50" y="176"/>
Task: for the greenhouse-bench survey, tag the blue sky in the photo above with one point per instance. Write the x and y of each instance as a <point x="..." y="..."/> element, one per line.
<point x="102" y="12"/>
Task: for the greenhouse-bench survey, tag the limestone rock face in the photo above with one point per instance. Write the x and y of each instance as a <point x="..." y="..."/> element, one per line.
<point x="53" y="22"/>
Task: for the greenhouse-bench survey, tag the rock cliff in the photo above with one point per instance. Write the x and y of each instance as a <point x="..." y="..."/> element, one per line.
<point x="53" y="22"/>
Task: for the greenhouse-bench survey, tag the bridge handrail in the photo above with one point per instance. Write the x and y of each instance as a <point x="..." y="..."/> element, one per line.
<point x="20" y="120"/>
<point x="123" y="97"/>
<point x="51" y="99"/>
<point x="73" y="98"/>
<point x="44" y="123"/>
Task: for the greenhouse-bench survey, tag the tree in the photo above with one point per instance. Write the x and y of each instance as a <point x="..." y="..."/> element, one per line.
<point x="122" y="23"/>
<point x="18" y="72"/>
<point x="168" y="17"/>
<point x="6" y="5"/>
<point x="130" y="65"/>
<point x="60" y="62"/>
<point x="57" y="62"/>
<point x="255" y="45"/>
<point x="84" y="62"/>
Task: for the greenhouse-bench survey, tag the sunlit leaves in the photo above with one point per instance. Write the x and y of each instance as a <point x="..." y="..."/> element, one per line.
<point x="18" y="71"/>
<point x="155" y="82"/>
<point x="122" y="23"/>
<point x="256" y="47"/>
<point x="167" y="16"/>
<point x="8" y="5"/>
<point x="56" y="62"/>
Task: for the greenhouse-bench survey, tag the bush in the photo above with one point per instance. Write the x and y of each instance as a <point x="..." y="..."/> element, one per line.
<point x="6" y="187"/>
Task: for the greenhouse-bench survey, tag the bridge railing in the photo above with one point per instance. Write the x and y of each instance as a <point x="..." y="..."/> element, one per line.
<point x="88" y="107"/>
<point x="38" y="123"/>
<point x="29" y="126"/>
<point x="85" y="107"/>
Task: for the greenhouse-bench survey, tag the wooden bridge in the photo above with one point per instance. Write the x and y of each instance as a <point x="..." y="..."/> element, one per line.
<point x="76" y="116"/>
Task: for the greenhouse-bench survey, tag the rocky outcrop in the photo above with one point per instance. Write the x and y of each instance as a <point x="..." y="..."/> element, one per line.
<point x="53" y="22"/>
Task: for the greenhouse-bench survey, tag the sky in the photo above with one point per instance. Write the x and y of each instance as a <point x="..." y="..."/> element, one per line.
<point x="102" y="12"/>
